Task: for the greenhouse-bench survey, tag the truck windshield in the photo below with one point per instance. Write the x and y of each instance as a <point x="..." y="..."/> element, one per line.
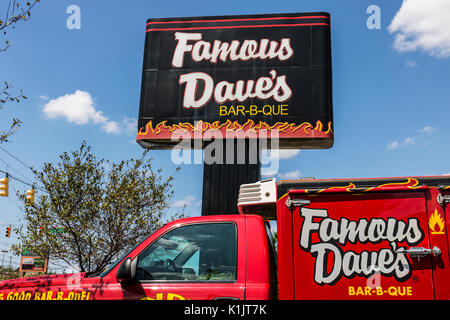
<point x="112" y="265"/>
<point x="195" y="252"/>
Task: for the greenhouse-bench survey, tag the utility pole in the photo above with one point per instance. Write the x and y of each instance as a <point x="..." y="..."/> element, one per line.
<point x="3" y="258"/>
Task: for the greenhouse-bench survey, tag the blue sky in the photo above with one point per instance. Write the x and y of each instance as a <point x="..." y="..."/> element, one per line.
<point x="390" y="89"/>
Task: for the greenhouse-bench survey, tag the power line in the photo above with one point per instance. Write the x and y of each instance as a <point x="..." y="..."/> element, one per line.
<point x="17" y="159"/>
<point x="15" y="178"/>
<point x="21" y="181"/>
<point x="8" y="166"/>
<point x="23" y="163"/>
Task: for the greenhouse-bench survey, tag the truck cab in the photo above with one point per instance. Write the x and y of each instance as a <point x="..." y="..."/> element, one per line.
<point x="207" y="258"/>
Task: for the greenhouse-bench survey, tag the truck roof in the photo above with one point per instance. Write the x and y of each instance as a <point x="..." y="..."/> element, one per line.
<point x="361" y="184"/>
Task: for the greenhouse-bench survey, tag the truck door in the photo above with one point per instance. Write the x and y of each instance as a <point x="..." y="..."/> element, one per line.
<point x="438" y="219"/>
<point x="194" y="261"/>
<point x="362" y="246"/>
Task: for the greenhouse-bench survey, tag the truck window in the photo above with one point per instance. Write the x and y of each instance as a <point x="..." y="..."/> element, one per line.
<point x="198" y="252"/>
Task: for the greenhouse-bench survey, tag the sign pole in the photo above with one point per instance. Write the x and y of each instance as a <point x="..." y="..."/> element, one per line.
<point x="221" y="181"/>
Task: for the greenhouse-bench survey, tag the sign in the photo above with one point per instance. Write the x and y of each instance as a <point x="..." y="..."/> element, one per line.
<point x="32" y="264"/>
<point x="237" y="77"/>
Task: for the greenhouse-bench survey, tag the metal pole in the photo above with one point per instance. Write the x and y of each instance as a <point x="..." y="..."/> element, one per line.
<point x="3" y="258"/>
<point x="221" y="181"/>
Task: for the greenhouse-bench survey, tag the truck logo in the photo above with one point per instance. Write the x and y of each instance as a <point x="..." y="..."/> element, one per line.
<point x="436" y="223"/>
<point x="163" y="296"/>
<point x="332" y="261"/>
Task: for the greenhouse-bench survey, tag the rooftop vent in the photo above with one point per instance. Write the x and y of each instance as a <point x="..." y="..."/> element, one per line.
<point x="258" y="198"/>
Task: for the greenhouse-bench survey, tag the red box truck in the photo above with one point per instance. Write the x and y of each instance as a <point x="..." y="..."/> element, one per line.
<point x="383" y="238"/>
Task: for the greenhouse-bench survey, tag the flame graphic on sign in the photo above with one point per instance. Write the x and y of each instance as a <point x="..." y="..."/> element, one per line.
<point x="436" y="223"/>
<point x="304" y="129"/>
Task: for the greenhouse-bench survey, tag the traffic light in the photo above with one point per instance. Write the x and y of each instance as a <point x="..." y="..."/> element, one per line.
<point x="4" y="187"/>
<point x="30" y="197"/>
<point x="8" y="231"/>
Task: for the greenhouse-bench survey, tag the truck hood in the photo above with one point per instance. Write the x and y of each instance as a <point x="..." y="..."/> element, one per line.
<point x="44" y="281"/>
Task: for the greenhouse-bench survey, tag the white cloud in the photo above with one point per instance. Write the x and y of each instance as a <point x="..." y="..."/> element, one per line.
<point x="427" y="130"/>
<point x="393" y="145"/>
<point x="282" y="154"/>
<point x="291" y="175"/>
<point x="422" y="25"/>
<point x="268" y="172"/>
<point x="129" y="125"/>
<point x="409" y="141"/>
<point x="288" y="154"/>
<point x="112" y="127"/>
<point x="79" y="108"/>
<point x="272" y="157"/>
<point x="423" y="138"/>
<point x="187" y="201"/>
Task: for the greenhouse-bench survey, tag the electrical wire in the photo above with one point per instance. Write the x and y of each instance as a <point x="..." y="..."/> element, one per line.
<point x="31" y="184"/>
<point x="17" y="159"/>
<point x="8" y="166"/>
<point x="21" y="181"/>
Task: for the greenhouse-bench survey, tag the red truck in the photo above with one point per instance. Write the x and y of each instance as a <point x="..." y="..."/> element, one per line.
<point x="383" y="238"/>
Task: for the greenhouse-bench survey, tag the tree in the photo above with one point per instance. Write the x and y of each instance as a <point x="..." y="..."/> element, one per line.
<point x="94" y="210"/>
<point x="5" y="96"/>
<point x="15" y="12"/>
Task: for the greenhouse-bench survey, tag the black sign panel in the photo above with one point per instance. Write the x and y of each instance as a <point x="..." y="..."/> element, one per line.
<point x="237" y="77"/>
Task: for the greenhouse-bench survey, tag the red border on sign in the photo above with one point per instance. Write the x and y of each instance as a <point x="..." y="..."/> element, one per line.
<point x="250" y="26"/>
<point x="240" y="19"/>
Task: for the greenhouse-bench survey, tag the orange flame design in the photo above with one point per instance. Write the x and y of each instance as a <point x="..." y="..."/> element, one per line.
<point x="235" y="126"/>
<point x="411" y="183"/>
<point x="435" y="222"/>
<point x="337" y="189"/>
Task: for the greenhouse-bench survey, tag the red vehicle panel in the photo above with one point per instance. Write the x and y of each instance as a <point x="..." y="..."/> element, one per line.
<point x="347" y="246"/>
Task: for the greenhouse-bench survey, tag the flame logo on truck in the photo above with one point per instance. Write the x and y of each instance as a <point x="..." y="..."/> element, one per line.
<point x="436" y="223"/>
<point x="332" y="261"/>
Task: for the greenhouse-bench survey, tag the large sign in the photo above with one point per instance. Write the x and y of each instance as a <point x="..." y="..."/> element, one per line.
<point x="237" y="77"/>
<point x="32" y="264"/>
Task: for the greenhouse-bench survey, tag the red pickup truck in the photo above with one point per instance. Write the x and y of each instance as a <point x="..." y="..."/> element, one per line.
<point x="383" y="238"/>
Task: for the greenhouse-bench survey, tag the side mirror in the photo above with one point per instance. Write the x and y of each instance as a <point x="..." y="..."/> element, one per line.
<point x="126" y="273"/>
